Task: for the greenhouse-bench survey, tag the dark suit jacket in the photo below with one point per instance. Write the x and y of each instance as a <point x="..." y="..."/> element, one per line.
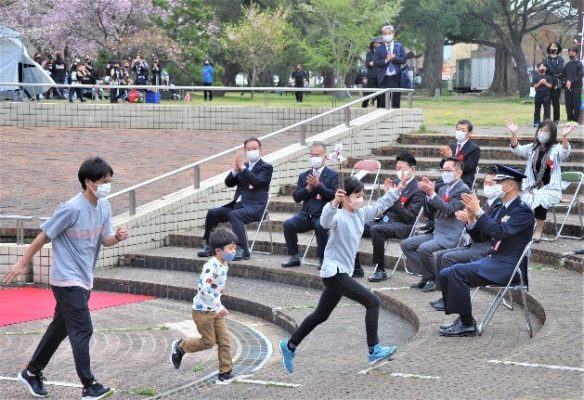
<point x="404" y="211"/>
<point x="481" y="237"/>
<point x="313" y="201"/>
<point x="471" y="153"/>
<point x="381" y="64"/>
<point x="253" y="186"/>
<point x="511" y="231"/>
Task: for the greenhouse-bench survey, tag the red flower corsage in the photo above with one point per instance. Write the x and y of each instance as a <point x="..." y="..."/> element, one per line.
<point x="403" y="200"/>
<point x="446" y="198"/>
<point x="550" y="163"/>
<point x="460" y="157"/>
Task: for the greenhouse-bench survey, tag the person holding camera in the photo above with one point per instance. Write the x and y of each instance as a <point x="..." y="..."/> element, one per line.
<point x="140" y="68"/>
<point x="156" y="72"/>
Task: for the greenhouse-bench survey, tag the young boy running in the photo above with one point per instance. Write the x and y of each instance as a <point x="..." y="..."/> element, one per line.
<point x="208" y="312"/>
<point x="346" y="227"/>
<point x="77" y="230"/>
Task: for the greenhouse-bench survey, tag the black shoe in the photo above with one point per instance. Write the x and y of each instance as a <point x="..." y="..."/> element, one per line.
<point x="241" y="254"/>
<point x="358" y="273"/>
<point x="458" y="329"/>
<point x="419" y="285"/>
<point x="428" y="228"/>
<point x="294" y="261"/>
<point x="34" y="383"/>
<point x="440" y="300"/>
<point x="439" y="306"/>
<point x="320" y="261"/>
<point x="176" y="354"/>
<point x="378" y="276"/>
<point x="96" y="391"/>
<point x="446" y="326"/>
<point x="430" y="286"/>
<point x="206" y="252"/>
<point x="224" y="378"/>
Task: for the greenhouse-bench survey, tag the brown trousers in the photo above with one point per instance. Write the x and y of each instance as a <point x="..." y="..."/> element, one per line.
<point x="213" y="330"/>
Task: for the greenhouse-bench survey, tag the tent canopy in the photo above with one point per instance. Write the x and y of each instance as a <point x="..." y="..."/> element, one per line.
<point x="17" y="66"/>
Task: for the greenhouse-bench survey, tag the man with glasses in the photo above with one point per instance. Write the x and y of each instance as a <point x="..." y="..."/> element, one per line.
<point x="419" y="250"/>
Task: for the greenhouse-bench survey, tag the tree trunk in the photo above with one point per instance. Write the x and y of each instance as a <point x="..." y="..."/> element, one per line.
<point x="504" y="77"/>
<point x="433" y="60"/>
<point x="521" y="70"/>
<point x="329" y="77"/>
<point x="229" y="74"/>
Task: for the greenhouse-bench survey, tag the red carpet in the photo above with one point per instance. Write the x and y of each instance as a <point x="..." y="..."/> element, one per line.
<point x="29" y="304"/>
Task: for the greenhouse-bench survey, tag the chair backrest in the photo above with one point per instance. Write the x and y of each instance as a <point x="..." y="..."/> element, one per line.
<point x="575" y="178"/>
<point x="525" y="255"/>
<point x="367" y="165"/>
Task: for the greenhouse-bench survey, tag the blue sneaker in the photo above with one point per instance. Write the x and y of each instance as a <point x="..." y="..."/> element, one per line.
<point x="381" y="353"/>
<point x="287" y="356"/>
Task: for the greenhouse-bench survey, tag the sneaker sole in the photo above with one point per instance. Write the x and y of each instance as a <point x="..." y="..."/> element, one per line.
<point x="25" y="383"/>
<point x="103" y="396"/>
<point x="225" y="382"/>
<point x="172" y="352"/>
<point x="283" y="363"/>
<point x="383" y="358"/>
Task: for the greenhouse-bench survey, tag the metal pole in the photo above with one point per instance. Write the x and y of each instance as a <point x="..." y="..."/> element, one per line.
<point x="265" y="98"/>
<point x="387" y="100"/>
<point x="347" y="116"/>
<point x="303" y="134"/>
<point x="197" y="175"/>
<point x="132" y="199"/>
<point x="410" y="100"/>
<point x="19" y="231"/>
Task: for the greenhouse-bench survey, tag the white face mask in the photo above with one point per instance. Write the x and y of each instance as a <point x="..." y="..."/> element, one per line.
<point x="316" y="162"/>
<point x="253" y="155"/>
<point x="543" y="137"/>
<point x="103" y="190"/>
<point x="460" y="136"/>
<point x="447" y="176"/>
<point x="492" y="192"/>
<point x="502" y="193"/>
<point x="356" y="203"/>
<point x="408" y="173"/>
<point x="387" y="38"/>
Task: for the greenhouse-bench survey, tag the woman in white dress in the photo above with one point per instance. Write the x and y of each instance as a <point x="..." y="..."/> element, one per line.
<point x="543" y="186"/>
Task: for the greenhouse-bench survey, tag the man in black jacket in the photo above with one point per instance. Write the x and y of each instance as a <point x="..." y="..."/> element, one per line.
<point x="252" y="179"/>
<point x="573" y="75"/>
<point x="314" y="189"/>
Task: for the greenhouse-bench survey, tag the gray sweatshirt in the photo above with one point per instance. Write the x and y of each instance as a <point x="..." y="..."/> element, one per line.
<point x="346" y="229"/>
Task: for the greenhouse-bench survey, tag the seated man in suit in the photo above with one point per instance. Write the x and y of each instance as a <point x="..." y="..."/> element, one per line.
<point x="464" y="150"/>
<point x="480" y="244"/>
<point x="510" y="228"/>
<point x="397" y="221"/>
<point x="419" y="250"/>
<point x="314" y="189"/>
<point x="252" y="178"/>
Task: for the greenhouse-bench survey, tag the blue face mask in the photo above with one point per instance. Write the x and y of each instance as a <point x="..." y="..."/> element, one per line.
<point x="228" y="256"/>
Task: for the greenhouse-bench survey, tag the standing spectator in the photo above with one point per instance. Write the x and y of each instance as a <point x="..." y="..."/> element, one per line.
<point x="371" y="75"/>
<point x="58" y="72"/>
<point x="573" y="75"/>
<point x="157" y="72"/>
<point x="88" y="63"/>
<point x="76" y="72"/>
<point x="140" y="68"/>
<point x="554" y="65"/>
<point x="208" y="73"/>
<point x="542" y="83"/>
<point x="299" y="76"/>
<point x="388" y="59"/>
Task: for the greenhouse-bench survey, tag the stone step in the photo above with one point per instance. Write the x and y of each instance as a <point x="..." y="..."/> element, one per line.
<point x="546" y="253"/>
<point x="430" y="163"/>
<point x="440" y="139"/>
<point x="433" y="151"/>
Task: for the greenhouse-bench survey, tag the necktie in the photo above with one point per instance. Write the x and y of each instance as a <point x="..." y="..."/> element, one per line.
<point x="315" y="173"/>
<point x="390" y="66"/>
<point x="458" y="148"/>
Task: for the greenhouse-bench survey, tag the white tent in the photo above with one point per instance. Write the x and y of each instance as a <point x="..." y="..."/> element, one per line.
<point x="17" y="66"/>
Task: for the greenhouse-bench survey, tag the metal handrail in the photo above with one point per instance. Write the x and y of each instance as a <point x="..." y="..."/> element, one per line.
<point x="19" y="225"/>
<point x="197" y="164"/>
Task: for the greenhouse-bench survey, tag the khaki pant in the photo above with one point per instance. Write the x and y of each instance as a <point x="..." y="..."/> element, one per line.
<point x="213" y="330"/>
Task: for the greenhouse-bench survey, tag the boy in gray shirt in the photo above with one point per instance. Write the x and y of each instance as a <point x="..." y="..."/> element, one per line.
<point x="346" y="227"/>
<point x="77" y="230"/>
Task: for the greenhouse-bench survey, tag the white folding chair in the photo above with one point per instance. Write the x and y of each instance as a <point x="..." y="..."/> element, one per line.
<point x="266" y="219"/>
<point x="364" y="167"/>
<point x="504" y="291"/>
<point x="575" y="179"/>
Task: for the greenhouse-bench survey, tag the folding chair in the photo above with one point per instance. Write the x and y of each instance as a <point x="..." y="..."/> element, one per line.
<point x="364" y="167"/>
<point x="303" y="261"/>
<point x="474" y="181"/>
<point x="504" y="291"/>
<point x="571" y="178"/>
<point x="401" y="255"/>
<point x="265" y="218"/>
